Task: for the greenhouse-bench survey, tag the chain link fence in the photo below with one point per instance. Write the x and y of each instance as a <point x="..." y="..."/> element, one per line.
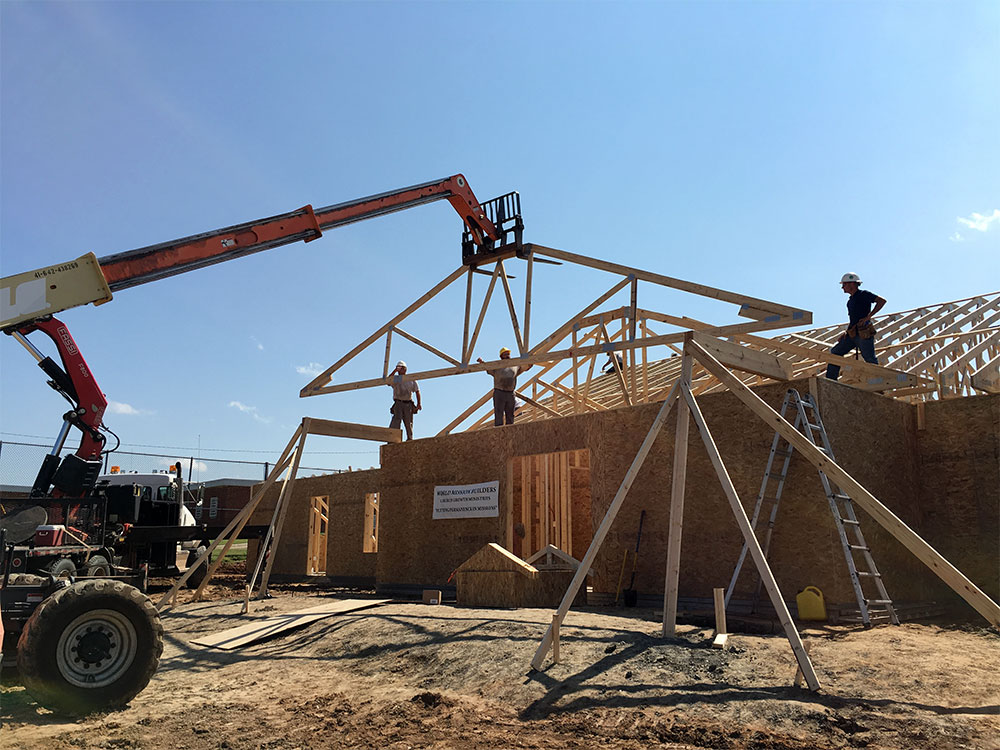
<point x="19" y="464"/>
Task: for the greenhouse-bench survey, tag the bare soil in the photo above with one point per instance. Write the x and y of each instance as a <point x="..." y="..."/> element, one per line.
<point x="409" y="675"/>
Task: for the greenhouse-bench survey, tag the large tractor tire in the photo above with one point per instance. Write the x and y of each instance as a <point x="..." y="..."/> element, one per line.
<point x="62" y="568"/>
<point x="98" y="566"/>
<point x="198" y="575"/>
<point x="92" y="646"/>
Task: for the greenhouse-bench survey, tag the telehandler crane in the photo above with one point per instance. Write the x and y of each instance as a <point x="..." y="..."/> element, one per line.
<point x="95" y="644"/>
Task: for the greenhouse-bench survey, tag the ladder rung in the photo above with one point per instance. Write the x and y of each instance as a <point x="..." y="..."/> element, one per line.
<point x="815" y="426"/>
<point x="866" y="574"/>
<point x="840" y="496"/>
<point x="878" y="601"/>
<point x="849" y="522"/>
<point x="858" y="547"/>
<point x="783" y="453"/>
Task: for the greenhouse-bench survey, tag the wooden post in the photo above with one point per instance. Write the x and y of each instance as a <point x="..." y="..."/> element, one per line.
<point x="555" y="638"/>
<point x="602" y="531"/>
<point x="388" y="349"/>
<point x="510" y="307"/>
<point x="763" y="569"/>
<point x="466" y="355"/>
<point x="670" y="585"/>
<point x="482" y="313"/>
<point x="509" y="495"/>
<point x="721" y="634"/>
<point x="527" y="301"/>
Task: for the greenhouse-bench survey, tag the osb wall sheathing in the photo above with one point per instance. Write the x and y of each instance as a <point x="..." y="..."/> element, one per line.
<point x="873" y="439"/>
<point x="346" y="560"/>
<point x="942" y="481"/>
<point x="959" y="472"/>
<point x="414" y="549"/>
<point x="293" y="547"/>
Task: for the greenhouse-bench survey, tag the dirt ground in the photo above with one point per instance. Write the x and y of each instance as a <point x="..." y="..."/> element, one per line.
<point x="409" y="675"/>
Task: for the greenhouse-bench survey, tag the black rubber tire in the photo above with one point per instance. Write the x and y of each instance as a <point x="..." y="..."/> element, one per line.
<point x="199" y="575"/>
<point x="98" y="566"/>
<point x="65" y="640"/>
<point x="62" y="568"/>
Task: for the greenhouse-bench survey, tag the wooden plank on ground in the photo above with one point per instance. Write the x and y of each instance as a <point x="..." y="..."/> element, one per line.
<point x="269" y="626"/>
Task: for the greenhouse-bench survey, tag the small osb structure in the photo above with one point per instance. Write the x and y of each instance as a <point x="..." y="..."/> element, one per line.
<point x="494" y="577"/>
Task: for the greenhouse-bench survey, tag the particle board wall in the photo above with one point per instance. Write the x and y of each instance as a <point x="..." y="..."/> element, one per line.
<point x="346" y="560"/>
<point x="959" y="471"/>
<point x="873" y="439"/>
<point x="943" y="481"/>
<point x="293" y="548"/>
<point x="415" y="549"/>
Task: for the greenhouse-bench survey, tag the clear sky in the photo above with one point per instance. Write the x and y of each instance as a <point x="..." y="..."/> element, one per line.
<point x="762" y="147"/>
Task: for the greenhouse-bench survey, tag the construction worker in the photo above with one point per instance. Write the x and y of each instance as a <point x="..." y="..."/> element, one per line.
<point x="860" y="334"/>
<point x="609" y="366"/>
<point x="504" y="383"/>
<point x="403" y="407"/>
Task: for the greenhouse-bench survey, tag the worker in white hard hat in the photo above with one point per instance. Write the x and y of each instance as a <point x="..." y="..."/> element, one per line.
<point x="403" y="406"/>
<point x="862" y="305"/>
<point x="504" y="384"/>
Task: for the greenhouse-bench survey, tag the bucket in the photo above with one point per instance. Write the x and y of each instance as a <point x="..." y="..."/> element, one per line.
<point x="810" y="604"/>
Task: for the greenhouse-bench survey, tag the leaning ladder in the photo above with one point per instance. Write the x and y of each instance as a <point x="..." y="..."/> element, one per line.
<point x="809" y="423"/>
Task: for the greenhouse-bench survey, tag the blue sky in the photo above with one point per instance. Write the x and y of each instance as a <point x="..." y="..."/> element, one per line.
<point x="761" y="147"/>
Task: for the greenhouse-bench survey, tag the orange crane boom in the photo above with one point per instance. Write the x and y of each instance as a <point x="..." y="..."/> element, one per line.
<point x="481" y="235"/>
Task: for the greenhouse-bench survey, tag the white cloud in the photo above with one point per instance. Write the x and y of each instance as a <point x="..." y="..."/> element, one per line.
<point x="312" y="369"/>
<point x="957" y="238"/>
<point x="117" y="407"/>
<point x="979" y="222"/>
<point x="260" y="346"/>
<point x="251" y="410"/>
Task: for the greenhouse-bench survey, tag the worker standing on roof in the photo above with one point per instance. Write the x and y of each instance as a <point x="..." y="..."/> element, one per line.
<point x="403" y="407"/>
<point x="504" y="383"/>
<point x="860" y="333"/>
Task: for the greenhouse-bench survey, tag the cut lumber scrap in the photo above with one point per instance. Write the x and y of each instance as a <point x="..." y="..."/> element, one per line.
<point x="744" y="358"/>
<point x="352" y="430"/>
<point x="492" y="558"/>
<point x="269" y="626"/>
<point x="553" y="551"/>
<point x="493" y="577"/>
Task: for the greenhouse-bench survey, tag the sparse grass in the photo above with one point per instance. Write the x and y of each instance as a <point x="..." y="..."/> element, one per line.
<point x="237" y="553"/>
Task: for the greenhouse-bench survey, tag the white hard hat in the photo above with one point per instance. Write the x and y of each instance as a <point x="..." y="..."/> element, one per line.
<point x="850" y="277"/>
<point x="401" y="363"/>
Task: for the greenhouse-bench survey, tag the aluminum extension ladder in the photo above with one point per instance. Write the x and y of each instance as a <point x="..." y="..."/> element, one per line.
<point x="810" y="424"/>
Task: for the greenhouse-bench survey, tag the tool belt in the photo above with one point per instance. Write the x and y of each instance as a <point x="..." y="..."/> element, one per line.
<point x="862" y="332"/>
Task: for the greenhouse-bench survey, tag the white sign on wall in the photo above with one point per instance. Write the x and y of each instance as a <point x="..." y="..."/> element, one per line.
<point x="467" y="501"/>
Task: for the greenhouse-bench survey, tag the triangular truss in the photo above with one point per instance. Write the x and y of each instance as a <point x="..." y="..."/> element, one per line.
<point x="940" y="351"/>
<point x="581" y="340"/>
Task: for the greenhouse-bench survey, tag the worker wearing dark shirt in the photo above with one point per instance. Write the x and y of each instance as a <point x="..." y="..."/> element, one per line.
<point x="860" y="333"/>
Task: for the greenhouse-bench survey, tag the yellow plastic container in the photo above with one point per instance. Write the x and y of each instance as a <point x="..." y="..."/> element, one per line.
<point x="811" y="604"/>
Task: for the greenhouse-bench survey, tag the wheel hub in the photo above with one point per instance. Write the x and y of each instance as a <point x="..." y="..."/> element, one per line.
<point x="96" y="648"/>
